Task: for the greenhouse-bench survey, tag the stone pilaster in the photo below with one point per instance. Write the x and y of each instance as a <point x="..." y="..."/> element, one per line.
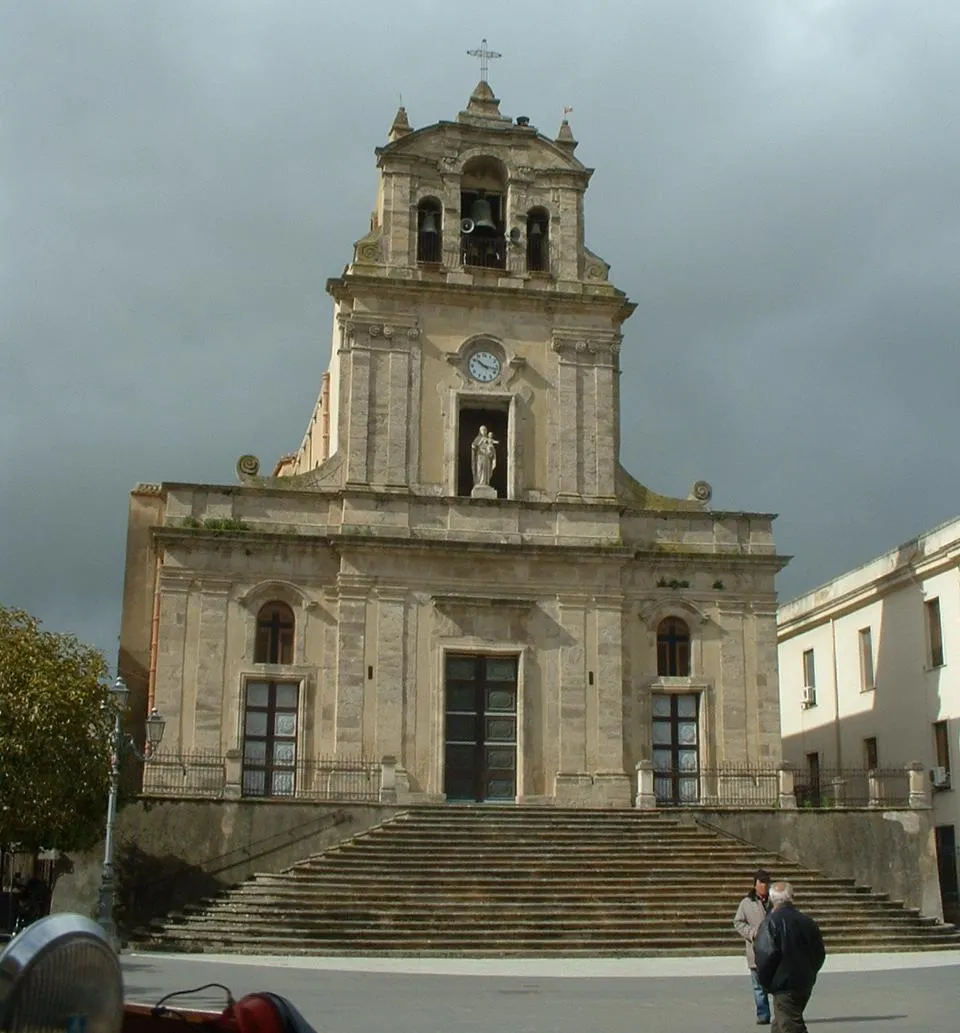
<point x="171" y="659"/>
<point x="211" y="656"/>
<point x="357" y="407"/>
<point x="571" y="730"/>
<point x="390" y="671"/>
<point x="351" y="675"/>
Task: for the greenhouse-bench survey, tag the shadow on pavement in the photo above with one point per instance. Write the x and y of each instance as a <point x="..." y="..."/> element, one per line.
<point x="856" y="1018"/>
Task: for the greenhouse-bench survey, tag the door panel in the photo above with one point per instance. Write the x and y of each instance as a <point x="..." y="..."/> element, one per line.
<point x="676" y="747"/>
<point x="480" y="756"/>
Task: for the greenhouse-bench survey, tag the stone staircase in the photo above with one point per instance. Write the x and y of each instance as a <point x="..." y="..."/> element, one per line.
<point x="493" y="881"/>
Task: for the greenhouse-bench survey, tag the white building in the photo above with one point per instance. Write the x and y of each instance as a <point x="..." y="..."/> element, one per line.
<point x="870" y="680"/>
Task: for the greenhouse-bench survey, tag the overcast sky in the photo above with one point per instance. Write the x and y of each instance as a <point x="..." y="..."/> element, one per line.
<point x="776" y="187"/>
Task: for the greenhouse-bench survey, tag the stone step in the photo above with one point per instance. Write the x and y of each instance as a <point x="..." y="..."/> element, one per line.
<point x="361" y="925"/>
<point x="447" y="846"/>
<point x="477" y="910"/>
<point x="492" y="882"/>
<point x="666" y="943"/>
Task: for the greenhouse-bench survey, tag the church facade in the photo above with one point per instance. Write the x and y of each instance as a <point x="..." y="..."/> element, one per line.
<point x="453" y="570"/>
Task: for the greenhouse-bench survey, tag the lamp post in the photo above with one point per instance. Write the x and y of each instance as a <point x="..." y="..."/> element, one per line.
<point x="120" y="741"/>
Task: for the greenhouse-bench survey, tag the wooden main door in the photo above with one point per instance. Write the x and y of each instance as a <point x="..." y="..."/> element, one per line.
<point x="676" y="747"/>
<point x="480" y="730"/>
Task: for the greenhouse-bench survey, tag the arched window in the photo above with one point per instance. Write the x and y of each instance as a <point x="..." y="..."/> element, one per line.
<point x="538" y="241"/>
<point x="274" y="644"/>
<point x="429" y="230"/>
<point x="673" y="648"/>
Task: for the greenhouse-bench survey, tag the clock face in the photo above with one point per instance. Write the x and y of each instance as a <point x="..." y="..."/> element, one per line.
<point x="484" y="367"/>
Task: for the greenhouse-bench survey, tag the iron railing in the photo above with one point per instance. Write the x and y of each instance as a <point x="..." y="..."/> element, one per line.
<point x="729" y="785"/>
<point x="853" y="787"/>
<point x="753" y="785"/>
<point x="184" y="773"/>
<point x="211" y="774"/>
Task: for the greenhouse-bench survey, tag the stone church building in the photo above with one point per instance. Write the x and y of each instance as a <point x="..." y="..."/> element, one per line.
<point x="453" y="569"/>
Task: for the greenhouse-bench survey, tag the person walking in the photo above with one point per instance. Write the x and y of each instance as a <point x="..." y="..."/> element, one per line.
<point x="789" y="953"/>
<point x="750" y="914"/>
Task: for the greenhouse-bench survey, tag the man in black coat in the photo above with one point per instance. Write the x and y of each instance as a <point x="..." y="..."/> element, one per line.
<point x="789" y="953"/>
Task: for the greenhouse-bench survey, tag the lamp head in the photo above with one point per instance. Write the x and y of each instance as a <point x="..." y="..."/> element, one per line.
<point x="120" y="692"/>
<point x="155" y="725"/>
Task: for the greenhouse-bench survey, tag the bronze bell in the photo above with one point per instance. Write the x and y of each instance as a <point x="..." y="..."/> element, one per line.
<point x="482" y="215"/>
<point x="428" y="224"/>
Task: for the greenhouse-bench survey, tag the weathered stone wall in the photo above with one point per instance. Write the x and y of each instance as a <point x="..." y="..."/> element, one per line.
<point x="892" y="852"/>
<point x="172" y="852"/>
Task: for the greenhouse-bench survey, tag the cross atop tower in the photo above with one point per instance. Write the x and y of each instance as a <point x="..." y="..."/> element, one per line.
<point x="485" y="56"/>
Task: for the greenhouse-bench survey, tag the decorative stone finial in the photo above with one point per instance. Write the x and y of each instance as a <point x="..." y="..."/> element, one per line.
<point x="565" y="137"/>
<point x="483" y="107"/>
<point x="401" y="124"/>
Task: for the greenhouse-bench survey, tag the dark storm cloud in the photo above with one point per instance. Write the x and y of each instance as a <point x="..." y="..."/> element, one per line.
<point x="776" y="189"/>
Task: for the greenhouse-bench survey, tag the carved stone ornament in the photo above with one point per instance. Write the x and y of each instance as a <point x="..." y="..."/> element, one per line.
<point x="388" y="331"/>
<point x="413" y="332"/>
<point x="248" y="466"/>
<point x="702" y="492"/>
<point x="370" y="249"/>
<point x="374" y="329"/>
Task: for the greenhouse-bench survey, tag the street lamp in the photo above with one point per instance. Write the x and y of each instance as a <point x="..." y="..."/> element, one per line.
<point x="120" y="741"/>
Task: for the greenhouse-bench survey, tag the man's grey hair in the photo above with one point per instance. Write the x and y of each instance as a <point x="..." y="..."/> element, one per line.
<point x="781" y="893"/>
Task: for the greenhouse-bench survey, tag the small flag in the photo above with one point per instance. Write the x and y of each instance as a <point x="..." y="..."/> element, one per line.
<point x="567" y="111"/>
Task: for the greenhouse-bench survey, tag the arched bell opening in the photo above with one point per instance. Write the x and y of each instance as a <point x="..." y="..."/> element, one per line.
<point x="483" y="197"/>
<point x="538" y="240"/>
<point x="429" y="230"/>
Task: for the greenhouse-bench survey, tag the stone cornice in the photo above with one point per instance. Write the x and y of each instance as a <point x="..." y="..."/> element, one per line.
<point x="413" y="291"/>
<point x="874" y="590"/>
<point x="372" y="333"/>
<point x="587" y="347"/>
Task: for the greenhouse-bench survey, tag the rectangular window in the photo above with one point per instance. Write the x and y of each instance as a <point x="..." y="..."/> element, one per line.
<point x="866" y="659"/>
<point x="809" y="671"/>
<point x="934" y="634"/>
<point x="270" y="738"/>
<point x="870" y="753"/>
<point x="941" y="745"/>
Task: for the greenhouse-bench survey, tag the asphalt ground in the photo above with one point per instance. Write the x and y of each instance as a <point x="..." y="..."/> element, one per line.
<point x="883" y="993"/>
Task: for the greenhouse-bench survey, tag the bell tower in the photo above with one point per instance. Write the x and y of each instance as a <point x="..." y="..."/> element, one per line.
<point x="473" y="303"/>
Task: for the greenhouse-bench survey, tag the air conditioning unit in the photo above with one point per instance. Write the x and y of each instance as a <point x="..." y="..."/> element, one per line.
<point x="808" y="698"/>
<point x="940" y="778"/>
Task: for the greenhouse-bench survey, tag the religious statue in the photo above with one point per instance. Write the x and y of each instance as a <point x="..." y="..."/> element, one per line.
<point x="483" y="453"/>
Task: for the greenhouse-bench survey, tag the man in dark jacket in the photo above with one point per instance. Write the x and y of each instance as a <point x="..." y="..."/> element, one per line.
<point x="789" y="953"/>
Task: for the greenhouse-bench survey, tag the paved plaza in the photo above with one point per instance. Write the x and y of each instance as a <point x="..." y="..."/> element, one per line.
<point x="883" y="993"/>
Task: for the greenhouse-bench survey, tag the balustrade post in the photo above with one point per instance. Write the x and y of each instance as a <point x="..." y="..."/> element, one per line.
<point x="919" y="794"/>
<point x="233" y="775"/>
<point x="874" y="790"/>
<point x="388" y="780"/>
<point x="786" y="787"/>
<point x="646" y="799"/>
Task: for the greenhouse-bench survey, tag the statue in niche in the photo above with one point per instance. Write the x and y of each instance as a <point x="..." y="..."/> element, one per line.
<point x="483" y="454"/>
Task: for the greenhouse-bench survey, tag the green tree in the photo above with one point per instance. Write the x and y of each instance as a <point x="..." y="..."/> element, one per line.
<point x="54" y="737"/>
